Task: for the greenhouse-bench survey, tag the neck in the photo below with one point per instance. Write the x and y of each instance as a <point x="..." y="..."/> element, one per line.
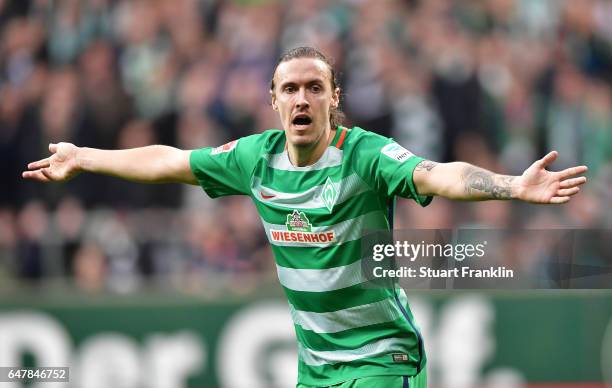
<point x="302" y="156"/>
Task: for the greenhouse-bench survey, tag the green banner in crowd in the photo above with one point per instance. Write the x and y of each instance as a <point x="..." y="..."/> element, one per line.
<point x="162" y="341"/>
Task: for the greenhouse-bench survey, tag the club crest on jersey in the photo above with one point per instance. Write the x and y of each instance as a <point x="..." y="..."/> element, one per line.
<point x="298" y="222"/>
<point x="227" y="147"/>
<point x="396" y="152"/>
<point x="329" y="194"/>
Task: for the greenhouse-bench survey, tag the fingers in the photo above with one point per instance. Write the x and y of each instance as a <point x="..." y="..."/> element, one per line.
<point x="564" y="195"/>
<point x="42" y="175"/>
<point x="48" y="174"/>
<point x="568" y="192"/>
<point x="572" y="171"/>
<point x="43" y="163"/>
<point x="557" y="200"/>
<point x="569" y="183"/>
<point x="549" y="158"/>
<point x="41" y="169"/>
<point x="35" y="175"/>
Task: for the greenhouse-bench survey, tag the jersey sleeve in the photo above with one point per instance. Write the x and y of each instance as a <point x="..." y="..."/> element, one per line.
<point x="388" y="168"/>
<point x="227" y="169"/>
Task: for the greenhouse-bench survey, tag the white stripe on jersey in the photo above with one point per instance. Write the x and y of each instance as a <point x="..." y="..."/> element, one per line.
<point x="332" y="157"/>
<point x="373" y="349"/>
<point x="350" y="318"/>
<point x="312" y="198"/>
<point x="321" y="280"/>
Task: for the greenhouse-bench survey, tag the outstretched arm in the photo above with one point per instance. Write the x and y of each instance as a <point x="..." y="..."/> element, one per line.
<point x="151" y="164"/>
<point x="464" y="181"/>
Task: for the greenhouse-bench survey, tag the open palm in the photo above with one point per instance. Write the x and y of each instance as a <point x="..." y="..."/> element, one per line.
<point x="537" y="185"/>
<point x="60" y="166"/>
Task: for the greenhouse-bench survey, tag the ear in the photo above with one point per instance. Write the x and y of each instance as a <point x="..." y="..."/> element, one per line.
<point x="335" y="98"/>
<point x="273" y="100"/>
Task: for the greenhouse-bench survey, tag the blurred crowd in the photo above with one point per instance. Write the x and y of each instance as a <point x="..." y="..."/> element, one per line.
<point x="497" y="83"/>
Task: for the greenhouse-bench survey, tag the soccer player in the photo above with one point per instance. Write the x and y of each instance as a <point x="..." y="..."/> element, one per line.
<point x="317" y="186"/>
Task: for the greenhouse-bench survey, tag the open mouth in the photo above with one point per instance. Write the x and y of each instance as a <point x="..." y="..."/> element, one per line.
<point x="301" y="120"/>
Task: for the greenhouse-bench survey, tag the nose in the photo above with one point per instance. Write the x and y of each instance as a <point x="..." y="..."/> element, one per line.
<point x="301" y="102"/>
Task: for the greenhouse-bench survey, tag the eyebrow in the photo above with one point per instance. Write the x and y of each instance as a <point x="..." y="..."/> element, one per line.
<point x="308" y="83"/>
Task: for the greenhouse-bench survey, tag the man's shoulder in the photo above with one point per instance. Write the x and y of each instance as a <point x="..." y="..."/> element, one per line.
<point x="266" y="134"/>
<point x="262" y="142"/>
<point x="271" y="133"/>
<point x="359" y="137"/>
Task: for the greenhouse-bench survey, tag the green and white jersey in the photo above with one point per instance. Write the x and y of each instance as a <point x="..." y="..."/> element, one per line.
<point x="314" y="217"/>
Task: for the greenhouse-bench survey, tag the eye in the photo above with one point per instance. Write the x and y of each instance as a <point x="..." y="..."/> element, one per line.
<point x="315" y="88"/>
<point x="289" y="89"/>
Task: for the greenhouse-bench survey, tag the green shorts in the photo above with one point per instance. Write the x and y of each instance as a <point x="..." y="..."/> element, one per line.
<point x="418" y="381"/>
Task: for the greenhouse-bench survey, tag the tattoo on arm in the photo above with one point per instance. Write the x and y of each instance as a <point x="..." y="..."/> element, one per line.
<point x="479" y="181"/>
<point x="425" y="165"/>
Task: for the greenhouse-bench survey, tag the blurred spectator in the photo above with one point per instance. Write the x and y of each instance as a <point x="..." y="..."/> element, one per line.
<point x="32" y="225"/>
<point x="70" y="220"/>
<point x="90" y="268"/>
<point x="106" y="105"/>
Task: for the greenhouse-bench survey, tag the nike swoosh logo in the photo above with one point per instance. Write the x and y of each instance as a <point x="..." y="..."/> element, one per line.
<point x="266" y="196"/>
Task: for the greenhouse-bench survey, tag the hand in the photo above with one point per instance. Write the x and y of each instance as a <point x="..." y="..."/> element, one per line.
<point x="60" y="166"/>
<point x="537" y="185"/>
